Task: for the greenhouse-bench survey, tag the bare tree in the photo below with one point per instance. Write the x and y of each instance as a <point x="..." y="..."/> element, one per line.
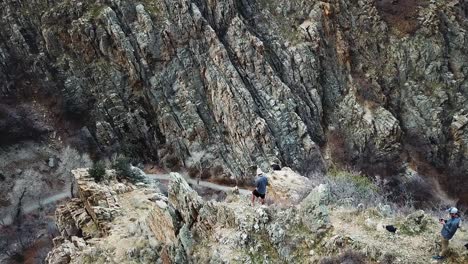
<point x="195" y="160"/>
<point x="14" y="242"/>
<point x="27" y="191"/>
<point x="71" y="159"/>
<point x="19" y="206"/>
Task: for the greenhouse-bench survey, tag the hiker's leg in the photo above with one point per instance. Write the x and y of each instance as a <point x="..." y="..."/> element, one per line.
<point x="444" y="247"/>
<point x="253" y="199"/>
<point x="263" y="200"/>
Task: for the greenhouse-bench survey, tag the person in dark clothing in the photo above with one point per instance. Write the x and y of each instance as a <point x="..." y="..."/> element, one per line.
<point x="260" y="187"/>
<point x="449" y="228"/>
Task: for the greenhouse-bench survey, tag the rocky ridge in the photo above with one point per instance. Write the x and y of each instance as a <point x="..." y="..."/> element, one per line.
<point x="377" y="84"/>
<point x="122" y="223"/>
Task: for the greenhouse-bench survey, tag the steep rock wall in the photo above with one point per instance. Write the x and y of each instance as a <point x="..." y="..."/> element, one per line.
<point x="379" y="84"/>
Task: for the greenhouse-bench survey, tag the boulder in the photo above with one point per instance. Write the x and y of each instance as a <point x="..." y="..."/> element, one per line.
<point x="61" y="254"/>
<point x="184" y="199"/>
<point x="313" y="209"/>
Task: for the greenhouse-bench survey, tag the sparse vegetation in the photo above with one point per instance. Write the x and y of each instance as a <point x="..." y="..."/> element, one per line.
<point x="348" y="257"/>
<point x="71" y="159"/>
<point x="388" y="258"/>
<point x="415" y="192"/>
<point x="352" y="188"/>
<point x="97" y="171"/>
<point x="195" y="162"/>
<point x="96" y="10"/>
<point x="27" y="189"/>
<point x="205" y="174"/>
<point x="172" y="162"/>
<point x="402" y="16"/>
<point x="123" y="167"/>
<point x="218" y="171"/>
<point x="193" y="172"/>
<point x="13" y="249"/>
<point x="266" y="249"/>
<point x="152" y="7"/>
<point x="21" y="243"/>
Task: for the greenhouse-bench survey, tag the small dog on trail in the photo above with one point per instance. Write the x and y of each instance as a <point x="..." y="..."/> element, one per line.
<point x="391" y="228"/>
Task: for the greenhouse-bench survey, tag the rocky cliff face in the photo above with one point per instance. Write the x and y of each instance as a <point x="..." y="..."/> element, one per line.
<point x="376" y="84"/>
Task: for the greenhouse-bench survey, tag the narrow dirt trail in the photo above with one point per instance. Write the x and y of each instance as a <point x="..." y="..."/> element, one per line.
<point x="28" y="208"/>
<point x="191" y="181"/>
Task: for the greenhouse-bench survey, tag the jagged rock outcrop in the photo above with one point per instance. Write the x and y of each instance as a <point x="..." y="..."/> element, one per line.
<point x="184" y="228"/>
<point x="180" y="228"/>
<point x="88" y="215"/>
<point x="381" y="84"/>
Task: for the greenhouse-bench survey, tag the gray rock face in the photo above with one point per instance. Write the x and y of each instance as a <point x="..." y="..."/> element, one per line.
<point x="249" y="82"/>
<point x="314" y="212"/>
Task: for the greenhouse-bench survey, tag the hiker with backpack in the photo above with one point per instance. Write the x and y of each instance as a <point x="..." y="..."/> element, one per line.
<point x="260" y="187"/>
<point x="449" y="228"/>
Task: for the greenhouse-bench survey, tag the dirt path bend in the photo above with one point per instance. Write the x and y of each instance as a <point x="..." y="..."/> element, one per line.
<point x="28" y="208"/>
<point x="191" y="181"/>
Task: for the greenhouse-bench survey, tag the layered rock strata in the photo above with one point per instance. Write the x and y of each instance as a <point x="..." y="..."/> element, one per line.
<point x="378" y="84"/>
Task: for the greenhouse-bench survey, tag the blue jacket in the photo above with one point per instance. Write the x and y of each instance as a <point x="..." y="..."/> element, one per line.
<point x="450" y="228"/>
<point x="261" y="184"/>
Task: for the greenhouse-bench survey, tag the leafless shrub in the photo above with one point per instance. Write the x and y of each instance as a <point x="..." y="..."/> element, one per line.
<point x="193" y="172"/>
<point x="243" y="180"/>
<point x="314" y="165"/>
<point x="27" y="190"/>
<point x="414" y="192"/>
<point x="316" y="178"/>
<point x="301" y="195"/>
<point x="402" y="15"/>
<point x="227" y="181"/>
<point x="125" y="170"/>
<point x="205" y="174"/>
<point x="388" y="258"/>
<point x="14" y="244"/>
<point x="217" y="171"/>
<point x="196" y="166"/>
<point x="71" y="159"/>
<point x="349" y="187"/>
<point x="348" y="257"/>
<point x="172" y="162"/>
<point x="352" y="188"/>
<point x="196" y="159"/>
